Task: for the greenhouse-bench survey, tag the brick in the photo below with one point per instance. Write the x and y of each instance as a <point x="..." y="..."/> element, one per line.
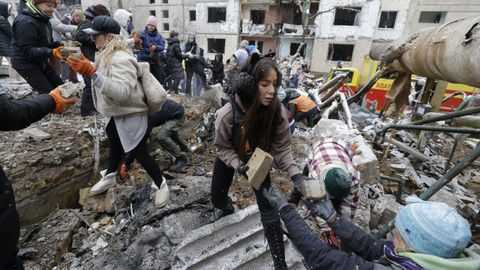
<point x="258" y="167"/>
<point x="314" y="189"/>
<point x="391" y="209"/>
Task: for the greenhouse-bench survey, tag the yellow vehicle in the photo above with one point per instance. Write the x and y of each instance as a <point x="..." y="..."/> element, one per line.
<point x="376" y="96"/>
<point x="353" y="79"/>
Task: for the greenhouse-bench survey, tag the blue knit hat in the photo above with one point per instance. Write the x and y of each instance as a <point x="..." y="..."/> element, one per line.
<point x="433" y="228"/>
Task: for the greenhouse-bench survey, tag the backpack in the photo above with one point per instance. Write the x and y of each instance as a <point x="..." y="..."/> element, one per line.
<point x="155" y="94"/>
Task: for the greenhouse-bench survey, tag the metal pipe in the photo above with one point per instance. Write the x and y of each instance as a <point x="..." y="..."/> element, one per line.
<point x="408" y="149"/>
<point x="346" y="110"/>
<point x="359" y="95"/>
<point x="447" y="116"/>
<point x="451" y="155"/>
<point x="398" y="195"/>
<point x="445" y="179"/>
<point x="332" y="82"/>
<point x="458" y="93"/>
<point x="432" y="128"/>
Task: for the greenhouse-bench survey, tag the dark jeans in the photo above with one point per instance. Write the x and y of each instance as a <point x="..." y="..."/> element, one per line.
<point x="86" y="107"/>
<point x="41" y="80"/>
<point x="173" y="81"/>
<point x="198" y="69"/>
<point x="222" y="179"/>
<point x="158" y="71"/>
<point x="140" y="153"/>
<point x="311" y="116"/>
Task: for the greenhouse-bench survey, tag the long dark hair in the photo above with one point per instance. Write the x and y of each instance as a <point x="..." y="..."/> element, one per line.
<point x="261" y="121"/>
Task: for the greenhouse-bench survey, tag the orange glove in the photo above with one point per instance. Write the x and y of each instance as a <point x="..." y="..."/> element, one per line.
<point x="82" y="65"/>
<point x="124" y="171"/>
<point x="136" y="38"/>
<point x="60" y="102"/>
<point x="153" y="47"/>
<point x="57" y="53"/>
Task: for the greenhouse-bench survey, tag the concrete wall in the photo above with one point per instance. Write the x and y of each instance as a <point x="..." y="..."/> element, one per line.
<point x="454" y="10"/>
<point x="320" y="54"/>
<point x="367" y="20"/>
<point x="389" y="34"/>
<point x="228" y="30"/>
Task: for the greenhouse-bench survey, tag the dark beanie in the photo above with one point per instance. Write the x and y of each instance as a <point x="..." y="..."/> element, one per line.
<point x="244" y="86"/>
<point x="338" y="183"/>
<point x="35" y="2"/>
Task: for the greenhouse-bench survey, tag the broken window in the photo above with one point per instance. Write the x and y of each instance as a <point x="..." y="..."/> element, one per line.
<point x="294" y="48"/>
<point x="165" y="1"/>
<point x="217" y="14"/>
<point x="340" y="52"/>
<point x="153" y="13"/>
<point x="152" y="1"/>
<point x="193" y="15"/>
<point x="257" y="16"/>
<point x="216" y="45"/>
<point x="432" y="17"/>
<point x="297" y="16"/>
<point x="165" y="14"/>
<point x="347" y="16"/>
<point x="258" y="44"/>
<point x="166" y="27"/>
<point x="387" y="19"/>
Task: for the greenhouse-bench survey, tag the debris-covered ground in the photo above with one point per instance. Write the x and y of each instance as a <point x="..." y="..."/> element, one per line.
<point x="122" y="230"/>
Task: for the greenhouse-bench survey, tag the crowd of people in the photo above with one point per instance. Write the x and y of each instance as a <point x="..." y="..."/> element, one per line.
<point x="427" y="235"/>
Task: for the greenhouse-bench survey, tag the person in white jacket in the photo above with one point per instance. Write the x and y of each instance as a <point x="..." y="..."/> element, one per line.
<point x="123" y="17"/>
<point x="118" y="93"/>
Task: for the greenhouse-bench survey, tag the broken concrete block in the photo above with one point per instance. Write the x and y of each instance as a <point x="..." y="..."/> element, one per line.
<point x="474" y="184"/>
<point x="114" y="199"/>
<point x="391" y="209"/>
<point x="258" y="167"/>
<point x="70" y="90"/>
<point x="446" y="197"/>
<point x="313" y="190"/>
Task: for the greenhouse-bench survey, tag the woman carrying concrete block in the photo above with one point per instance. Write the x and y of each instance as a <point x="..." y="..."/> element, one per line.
<point x="253" y="118"/>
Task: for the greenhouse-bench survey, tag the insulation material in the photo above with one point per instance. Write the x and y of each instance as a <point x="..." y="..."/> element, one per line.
<point x="399" y="91"/>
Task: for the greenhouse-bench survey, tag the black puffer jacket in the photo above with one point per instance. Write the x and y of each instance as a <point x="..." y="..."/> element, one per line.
<point x="88" y="46"/>
<point x="15" y="115"/>
<point x="5" y="30"/>
<point x="32" y="39"/>
<point x="174" y="56"/>
<point x="170" y="110"/>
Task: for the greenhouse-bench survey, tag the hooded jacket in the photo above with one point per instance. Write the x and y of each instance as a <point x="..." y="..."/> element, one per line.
<point x="32" y="38"/>
<point x="174" y="56"/>
<point x="5" y="30"/>
<point x="193" y="48"/>
<point x="148" y="39"/>
<point x="122" y="16"/>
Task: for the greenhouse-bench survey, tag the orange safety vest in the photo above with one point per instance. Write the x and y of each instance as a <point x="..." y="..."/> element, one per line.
<point x="303" y="104"/>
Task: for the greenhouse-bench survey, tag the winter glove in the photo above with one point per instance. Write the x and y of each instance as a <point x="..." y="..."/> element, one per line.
<point x="276" y="199"/>
<point x="298" y="179"/>
<point x="57" y="53"/>
<point x="242" y="170"/>
<point x="136" y="38"/>
<point x="322" y="208"/>
<point x="124" y="171"/>
<point x="153" y="48"/>
<point x="82" y="65"/>
<point x="60" y="102"/>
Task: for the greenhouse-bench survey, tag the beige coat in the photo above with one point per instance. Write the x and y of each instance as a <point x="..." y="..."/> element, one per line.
<point x="121" y="93"/>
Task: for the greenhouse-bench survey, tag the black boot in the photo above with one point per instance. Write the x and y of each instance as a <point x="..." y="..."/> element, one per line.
<point x="227" y="210"/>
<point x="274" y="235"/>
<point x="179" y="164"/>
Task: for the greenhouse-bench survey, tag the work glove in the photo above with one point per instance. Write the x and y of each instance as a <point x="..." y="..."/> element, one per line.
<point x="57" y="53"/>
<point x="153" y="48"/>
<point x="242" y="170"/>
<point x="124" y="171"/>
<point x="137" y="38"/>
<point x="60" y="102"/>
<point x="82" y="65"/>
<point x="322" y="208"/>
<point x="275" y="197"/>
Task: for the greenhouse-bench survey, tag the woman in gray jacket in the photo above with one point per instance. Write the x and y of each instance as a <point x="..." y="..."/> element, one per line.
<point x="118" y="93"/>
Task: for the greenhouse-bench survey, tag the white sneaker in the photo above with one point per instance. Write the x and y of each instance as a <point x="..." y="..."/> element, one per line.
<point x="104" y="184"/>
<point x="162" y="194"/>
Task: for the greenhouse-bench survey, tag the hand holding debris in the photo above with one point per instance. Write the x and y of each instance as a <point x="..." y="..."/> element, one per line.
<point x="57" y="53"/>
<point x="60" y="102"/>
<point x="242" y="170"/>
<point x="275" y="197"/>
<point x="153" y="48"/>
<point x="136" y="38"/>
<point x="82" y="65"/>
<point x="322" y="208"/>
